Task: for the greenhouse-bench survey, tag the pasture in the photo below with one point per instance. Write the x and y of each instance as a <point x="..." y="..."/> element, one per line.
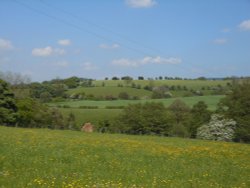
<point x="211" y="101"/>
<point x="101" y="112"/>
<point x="192" y="84"/>
<point x="52" y="158"/>
<point x="114" y="91"/>
<point x="90" y="115"/>
<point x="104" y="88"/>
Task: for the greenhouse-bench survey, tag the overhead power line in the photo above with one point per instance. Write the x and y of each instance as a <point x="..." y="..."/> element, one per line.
<point x="80" y="28"/>
<point x="100" y="27"/>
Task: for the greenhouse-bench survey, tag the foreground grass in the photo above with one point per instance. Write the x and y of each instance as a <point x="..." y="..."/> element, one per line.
<point x="46" y="158"/>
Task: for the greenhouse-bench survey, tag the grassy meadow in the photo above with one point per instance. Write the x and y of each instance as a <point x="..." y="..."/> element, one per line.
<point x="193" y="84"/>
<point x="103" y="91"/>
<point x="90" y="115"/>
<point x="50" y="158"/>
<point x="211" y="101"/>
<point x="111" y="87"/>
<point x="102" y="113"/>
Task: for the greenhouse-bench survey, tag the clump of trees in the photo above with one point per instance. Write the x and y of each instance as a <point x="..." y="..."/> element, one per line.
<point x="230" y="122"/>
<point x="141" y="119"/>
<point x="236" y="106"/>
<point x="22" y="104"/>
<point x="155" y="119"/>
<point x="30" y="112"/>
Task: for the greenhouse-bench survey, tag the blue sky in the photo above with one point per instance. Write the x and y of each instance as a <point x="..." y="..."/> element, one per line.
<point x="96" y="39"/>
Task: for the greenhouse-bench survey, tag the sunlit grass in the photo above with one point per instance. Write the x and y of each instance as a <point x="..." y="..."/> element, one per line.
<point x="46" y="158"/>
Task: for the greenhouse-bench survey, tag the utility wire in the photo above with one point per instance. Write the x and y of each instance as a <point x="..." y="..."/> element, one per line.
<point x="104" y="28"/>
<point x="77" y="27"/>
<point x="89" y="31"/>
<point x="100" y="27"/>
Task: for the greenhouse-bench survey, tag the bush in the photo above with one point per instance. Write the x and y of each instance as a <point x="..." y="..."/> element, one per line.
<point x="66" y="106"/>
<point x="89" y="107"/>
<point x="217" y="129"/>
<point x="148" y="118"/>
<point x="115" y="107"/>
<point x="123" y="95"/>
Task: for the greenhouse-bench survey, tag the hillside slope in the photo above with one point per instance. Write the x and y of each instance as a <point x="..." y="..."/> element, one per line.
<point x="48" y="158"/>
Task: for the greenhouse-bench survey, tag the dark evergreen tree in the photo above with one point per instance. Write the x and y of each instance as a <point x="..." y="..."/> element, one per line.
<point x="8" y="108"/>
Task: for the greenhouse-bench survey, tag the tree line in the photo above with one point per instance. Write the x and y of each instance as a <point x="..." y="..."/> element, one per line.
<point x="229" y="122"/>
<point x="30" y="112"/>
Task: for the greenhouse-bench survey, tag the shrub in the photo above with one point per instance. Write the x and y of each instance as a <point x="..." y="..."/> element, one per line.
<point x="217" y="129"/>
<point x="123" y="95"/>
<point x="114" y="107"/>
<point x="148" y="118"/>
<point x="89" y="107"/>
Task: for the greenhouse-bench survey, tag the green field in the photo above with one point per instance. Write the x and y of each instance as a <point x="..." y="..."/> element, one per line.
<point x="192" y="84"/>
<point x="104" y="91"/>
<point x="110" y="87"/>
<point x="91" y="115"/>
<point x="96" y="115"/>
<point x="50" y="158"/>
<point x="211" y="101"/>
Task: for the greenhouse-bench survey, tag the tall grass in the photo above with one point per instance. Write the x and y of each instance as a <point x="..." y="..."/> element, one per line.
<point x="46" y="158"/>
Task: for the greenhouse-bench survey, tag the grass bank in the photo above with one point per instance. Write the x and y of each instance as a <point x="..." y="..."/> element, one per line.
<point x="49" y="158"/>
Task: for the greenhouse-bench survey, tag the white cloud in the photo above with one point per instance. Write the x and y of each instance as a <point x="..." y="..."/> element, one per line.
<point x="106" y="46"/>
<point x="245" y="25"/>
<point x="125" y="62"/>
<point x="220" y="41"/>
<point x="146" y="60"/>
<point x="141" y="3"/>
<point x="5" y="44"/>
<point x="64" y="42"/>
<point x="47" y="51"/>
<point x="62" y="63"/>
<point x="88" y="66"/>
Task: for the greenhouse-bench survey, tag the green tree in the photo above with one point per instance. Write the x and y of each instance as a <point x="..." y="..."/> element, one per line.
<point x="180" y="114"/>
<point x="148" y="118"/>
<point x="72" y="82"/>
<point x="45" y="97"/>
<point x="71" y="122"/>
<point x="8" y="108"/>
<point x="236" y="105"/>
<point x="31" y="113"/>
<point x="56" y="120"/>
<point x="200" y="115"/>
<point x="123" y="95"/>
